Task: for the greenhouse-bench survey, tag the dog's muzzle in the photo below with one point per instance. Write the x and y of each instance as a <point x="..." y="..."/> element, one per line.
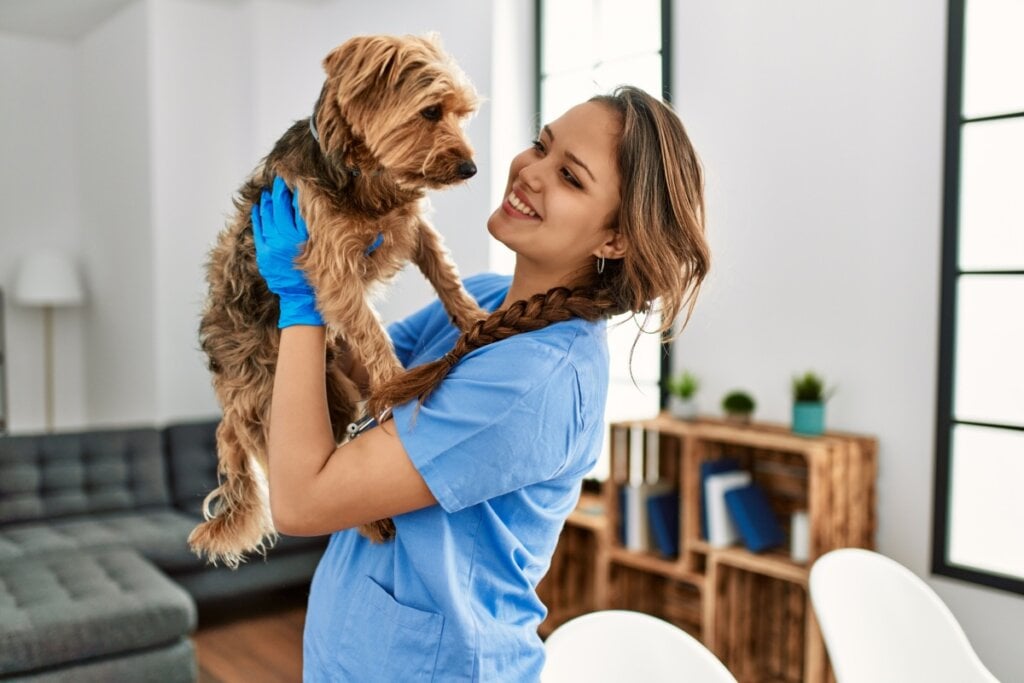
<point x="467" y="169"/>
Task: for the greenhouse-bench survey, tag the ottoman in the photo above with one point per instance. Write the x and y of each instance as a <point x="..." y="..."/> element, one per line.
<point x="94" y="616"/>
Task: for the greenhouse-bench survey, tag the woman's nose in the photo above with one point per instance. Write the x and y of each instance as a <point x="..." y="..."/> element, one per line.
<point x="529" y="176"/>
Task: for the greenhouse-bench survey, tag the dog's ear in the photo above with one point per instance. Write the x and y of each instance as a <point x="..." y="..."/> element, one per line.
<point x="361" y="62"/>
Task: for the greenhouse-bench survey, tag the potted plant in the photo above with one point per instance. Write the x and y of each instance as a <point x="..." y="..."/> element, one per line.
<point x="681" y="390"/>
<point x="809" y="398"/>
<point x="738" y="406"/>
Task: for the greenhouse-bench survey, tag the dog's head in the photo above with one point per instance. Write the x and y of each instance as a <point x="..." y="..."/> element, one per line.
<point x="406" y="100"/>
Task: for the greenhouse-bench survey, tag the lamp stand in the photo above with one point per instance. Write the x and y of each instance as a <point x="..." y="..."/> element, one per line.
<point x="48" y="350"/>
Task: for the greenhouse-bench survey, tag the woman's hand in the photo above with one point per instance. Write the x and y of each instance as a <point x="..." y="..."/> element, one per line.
<point x="280" y="234"/>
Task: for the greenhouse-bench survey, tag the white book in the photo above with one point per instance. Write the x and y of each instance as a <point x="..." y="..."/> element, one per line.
<point x="722" y="529"/>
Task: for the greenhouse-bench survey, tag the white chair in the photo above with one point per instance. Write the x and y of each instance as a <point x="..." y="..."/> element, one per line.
<point x="882" y="623"/>
<point x="613" y="646"/>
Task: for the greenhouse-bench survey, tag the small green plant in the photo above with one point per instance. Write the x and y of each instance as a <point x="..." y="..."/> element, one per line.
<point x="738" y="403"/>
<point x="684" y="385"/>
<point x="811" y="387"/>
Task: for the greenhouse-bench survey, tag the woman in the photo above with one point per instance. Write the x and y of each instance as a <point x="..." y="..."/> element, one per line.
<point x="491" y="431"/>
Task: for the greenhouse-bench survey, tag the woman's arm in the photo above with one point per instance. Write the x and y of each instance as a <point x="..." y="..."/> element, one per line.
<point x="316" y="488"/>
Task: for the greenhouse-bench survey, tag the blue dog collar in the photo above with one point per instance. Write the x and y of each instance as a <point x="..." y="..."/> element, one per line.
<point x="376" y="243"/>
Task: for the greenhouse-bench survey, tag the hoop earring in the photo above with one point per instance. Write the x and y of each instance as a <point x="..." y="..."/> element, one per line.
<point x="600" y="265"/>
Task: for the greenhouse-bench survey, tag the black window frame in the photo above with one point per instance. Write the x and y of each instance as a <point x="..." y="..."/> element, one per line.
<point x="665" y="371"/>
<point x="951" y="272"/>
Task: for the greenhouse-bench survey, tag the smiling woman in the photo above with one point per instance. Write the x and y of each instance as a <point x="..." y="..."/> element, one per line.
<point x="558" y="215"/>
<point x="490" y="432"/>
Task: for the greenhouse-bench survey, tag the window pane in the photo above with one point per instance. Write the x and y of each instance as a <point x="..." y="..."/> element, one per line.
<point x="993" y="57"/>
<point x="559" y="92"/>
<point x="646" y="365"/>
<point x="991" y="179"/>
<point x="643" y="71"/>
<point x="986" y="509"/>
<point x="989" y="365"/>
<point x="628" y="27"/>
<point x="568" y="35"/>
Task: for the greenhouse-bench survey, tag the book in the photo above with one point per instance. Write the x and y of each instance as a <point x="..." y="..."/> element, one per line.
<point x="707" y="468"/>
<point x="663" y="516"/>
<point x="722" y="529"/>
<point x="754" y="517"/>
<point x="634" y="521"/>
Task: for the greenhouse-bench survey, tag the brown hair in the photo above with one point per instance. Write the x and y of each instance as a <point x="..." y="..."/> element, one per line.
<point x="661" y="216"/>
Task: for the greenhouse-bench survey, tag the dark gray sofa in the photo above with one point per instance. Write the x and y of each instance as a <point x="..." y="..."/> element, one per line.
<point x="71" y="501"/>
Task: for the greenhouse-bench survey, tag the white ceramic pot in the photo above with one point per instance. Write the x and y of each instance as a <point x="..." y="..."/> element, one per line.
<point x="682" y="408"/>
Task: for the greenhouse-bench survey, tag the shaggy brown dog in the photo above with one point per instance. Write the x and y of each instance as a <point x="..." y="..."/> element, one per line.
<point x="387" y="126"/>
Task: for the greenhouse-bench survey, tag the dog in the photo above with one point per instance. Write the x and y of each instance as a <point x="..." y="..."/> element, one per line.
<point x="388" y="125"/>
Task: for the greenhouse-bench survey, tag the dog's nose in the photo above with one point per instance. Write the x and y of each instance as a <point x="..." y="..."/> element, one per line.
<point x="467" y="169"/>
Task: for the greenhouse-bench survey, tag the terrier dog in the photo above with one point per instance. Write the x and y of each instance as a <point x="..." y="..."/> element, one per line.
<point x="387" y="126"/>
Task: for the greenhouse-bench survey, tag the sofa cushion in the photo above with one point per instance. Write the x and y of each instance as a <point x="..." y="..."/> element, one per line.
<point x="192" y="461"/>
<point x="158" y="535"/>
<point x="65" y="608"/>
<point x="55" y="475"/>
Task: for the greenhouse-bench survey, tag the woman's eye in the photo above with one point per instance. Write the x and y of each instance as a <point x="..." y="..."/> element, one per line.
<point x="538" y="145"/>
<point x="571" y="179"/>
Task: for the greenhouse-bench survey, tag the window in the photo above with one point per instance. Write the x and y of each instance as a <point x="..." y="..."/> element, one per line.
<point x="978" y="531"/>
<point x="587" y="47"/>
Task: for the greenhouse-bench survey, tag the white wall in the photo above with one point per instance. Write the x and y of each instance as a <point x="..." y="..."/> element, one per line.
<point x="111" y="72"/>
<point x="821" y="126"/>
<point x="201" y="133"/>
<point x="39" y="197"/>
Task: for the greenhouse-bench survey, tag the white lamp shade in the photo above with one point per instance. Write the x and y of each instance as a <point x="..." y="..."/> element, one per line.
<point x="48" y="278"/>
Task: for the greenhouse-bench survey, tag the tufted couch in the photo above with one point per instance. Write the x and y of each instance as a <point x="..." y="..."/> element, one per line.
<point x="96" y="579"/>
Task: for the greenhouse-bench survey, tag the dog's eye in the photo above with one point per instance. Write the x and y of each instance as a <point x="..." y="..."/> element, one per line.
<point x="432" y="113"/>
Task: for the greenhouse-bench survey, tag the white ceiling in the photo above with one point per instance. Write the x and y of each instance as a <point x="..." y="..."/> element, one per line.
<point x="56" y="19"/>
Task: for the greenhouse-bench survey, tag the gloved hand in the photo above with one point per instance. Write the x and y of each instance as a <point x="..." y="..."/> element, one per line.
<point x="280" y="233"/>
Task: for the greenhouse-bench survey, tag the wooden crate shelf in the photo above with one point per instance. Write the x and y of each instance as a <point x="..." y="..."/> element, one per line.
<point x="774" y="563"/>
<point x="751" y="609"/>
<point x="656" y="564"/>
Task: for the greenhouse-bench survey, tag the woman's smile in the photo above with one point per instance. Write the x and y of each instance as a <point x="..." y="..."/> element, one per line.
<point x="517" y="206"/>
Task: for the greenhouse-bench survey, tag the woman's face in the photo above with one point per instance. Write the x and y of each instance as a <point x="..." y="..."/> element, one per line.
<point x="562" y="196"/>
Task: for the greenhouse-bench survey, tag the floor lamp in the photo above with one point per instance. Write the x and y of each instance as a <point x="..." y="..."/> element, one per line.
<point x="48" y="280"/>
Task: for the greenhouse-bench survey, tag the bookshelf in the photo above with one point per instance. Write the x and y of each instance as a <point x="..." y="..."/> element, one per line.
<point x="751" y="609"/>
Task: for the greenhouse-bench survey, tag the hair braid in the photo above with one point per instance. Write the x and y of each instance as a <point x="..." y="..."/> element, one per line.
<point x="526" y="315"/>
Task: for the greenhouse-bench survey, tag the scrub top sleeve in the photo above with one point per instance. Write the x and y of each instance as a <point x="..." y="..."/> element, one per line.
<point x="406" y="333"/>
<point x="493" y="426"/>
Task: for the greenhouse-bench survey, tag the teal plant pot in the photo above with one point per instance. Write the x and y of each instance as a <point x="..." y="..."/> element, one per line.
<point x="809" y="418"/>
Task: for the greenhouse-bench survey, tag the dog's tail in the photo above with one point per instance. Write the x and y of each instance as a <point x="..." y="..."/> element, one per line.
<point x="237" y="512"/>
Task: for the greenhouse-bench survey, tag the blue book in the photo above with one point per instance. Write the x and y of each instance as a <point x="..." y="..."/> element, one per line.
<point x="707" y="468"/>
<point x="663" y="512"/>
<point x="622" y="515"/>
<point x="754" y="518"/>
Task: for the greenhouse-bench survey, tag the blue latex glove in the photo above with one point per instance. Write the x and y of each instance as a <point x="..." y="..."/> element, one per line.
<point x="280" y="233"/>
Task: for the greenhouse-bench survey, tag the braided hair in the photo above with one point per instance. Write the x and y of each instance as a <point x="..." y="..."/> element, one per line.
<point x="661" y="215"/>
<point x="525" y="315"/>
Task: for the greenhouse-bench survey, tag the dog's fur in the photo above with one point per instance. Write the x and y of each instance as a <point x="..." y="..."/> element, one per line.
<point x="378" y="151"/>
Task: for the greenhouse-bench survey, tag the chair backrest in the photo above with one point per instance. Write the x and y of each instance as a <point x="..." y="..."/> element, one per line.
<point x="882" y="623"/>
<point x="619" y="645"/>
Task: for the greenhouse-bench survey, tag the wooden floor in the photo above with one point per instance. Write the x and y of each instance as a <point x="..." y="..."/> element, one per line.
<point x="252" y="641"/>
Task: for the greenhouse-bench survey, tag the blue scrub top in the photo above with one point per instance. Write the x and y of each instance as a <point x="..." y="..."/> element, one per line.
<point x="503" y="443"/>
